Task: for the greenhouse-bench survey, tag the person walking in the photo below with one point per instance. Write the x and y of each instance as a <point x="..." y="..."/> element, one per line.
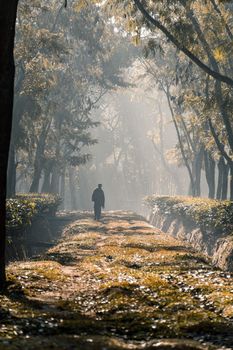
<point x="99" y="201"/>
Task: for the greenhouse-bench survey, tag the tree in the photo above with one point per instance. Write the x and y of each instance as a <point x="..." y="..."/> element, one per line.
<point x="169" y="18"/>
<point x="157" y="24"/>
<point x="205" y="29"/>
<point x="70" y="54"/>
<point x="7" y="72"/>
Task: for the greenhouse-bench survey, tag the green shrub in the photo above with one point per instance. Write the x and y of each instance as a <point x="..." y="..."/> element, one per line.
<point x="20" y="211"/>
<point x="207" y="213"/>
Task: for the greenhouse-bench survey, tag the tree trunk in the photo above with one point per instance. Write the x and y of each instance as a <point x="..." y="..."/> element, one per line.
<point x="173" y="174"/>
<point x="210" y="173"/>
<point x="56" y="172"/>
<point x="11" y="173"/>
<point x="73" y="198"/>
<point x="224" y="155"/>
<point x="55" y="180"/>
<point x="231" y="181"/>
<point x="225" y="181"/>
<point x="220" y="176"/>
<point x="46" y="184"/>
<point x="197" y="171"/>
<point x="186" y="162"/>
<point x="62" y="190"/>
<point x="39" y="159"/>
<point x="36" y="176"/>
<point x="17" y="112"/>
<point x="7" y="73"/>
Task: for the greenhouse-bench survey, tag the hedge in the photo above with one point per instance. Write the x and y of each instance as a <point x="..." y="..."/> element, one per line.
<point x="207" y="213"/>
<point x="21" y="210"/>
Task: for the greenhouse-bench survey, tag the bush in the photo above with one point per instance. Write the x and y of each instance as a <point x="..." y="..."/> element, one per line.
<point x="207" y="213"/>
<point x="26" y="207"/>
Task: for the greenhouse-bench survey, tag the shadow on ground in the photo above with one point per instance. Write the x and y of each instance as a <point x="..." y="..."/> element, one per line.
<point x="116" y="284"/>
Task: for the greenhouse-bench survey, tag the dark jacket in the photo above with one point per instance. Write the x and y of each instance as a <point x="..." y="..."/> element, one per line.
<point x="98" y="197"/>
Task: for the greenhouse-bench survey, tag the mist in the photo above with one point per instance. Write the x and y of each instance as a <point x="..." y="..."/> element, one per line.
<point x="94" y="106"/>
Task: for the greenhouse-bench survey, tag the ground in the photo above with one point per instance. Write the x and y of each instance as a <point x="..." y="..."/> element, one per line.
<point x="116" y="284"/>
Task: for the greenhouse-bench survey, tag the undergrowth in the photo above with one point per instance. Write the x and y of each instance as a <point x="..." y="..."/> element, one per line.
<point x="207" y="213"/>
<point x="21" y="210"/>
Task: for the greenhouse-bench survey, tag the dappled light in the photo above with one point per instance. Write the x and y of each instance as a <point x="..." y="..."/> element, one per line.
<point x="118" y="289"/>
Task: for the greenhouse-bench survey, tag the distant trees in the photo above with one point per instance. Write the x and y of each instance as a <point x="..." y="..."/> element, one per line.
<point x="193" y="115"/>
<point x="65" y="65"/>
<point x="124" y="160"/>
<point x="199" y="95"/>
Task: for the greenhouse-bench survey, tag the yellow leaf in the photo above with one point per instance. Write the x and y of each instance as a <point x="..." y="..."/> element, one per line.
<point x="219" y="55"/>
<point x="80" y="5"/>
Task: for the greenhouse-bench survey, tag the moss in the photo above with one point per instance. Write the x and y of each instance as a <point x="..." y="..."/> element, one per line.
<point x="51" y="273"/>
<point x="36" y="271"/>
<point x="130" y="289"/>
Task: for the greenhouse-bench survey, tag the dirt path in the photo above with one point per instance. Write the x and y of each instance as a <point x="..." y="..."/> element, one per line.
<point x="117" y="284"/>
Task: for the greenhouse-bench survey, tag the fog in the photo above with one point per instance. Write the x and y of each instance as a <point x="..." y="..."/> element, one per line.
<point x="125" y="160"/>
<point x="91" y="108"/>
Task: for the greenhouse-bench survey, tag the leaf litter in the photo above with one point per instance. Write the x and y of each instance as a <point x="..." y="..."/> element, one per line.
<point x="117" y="284"/>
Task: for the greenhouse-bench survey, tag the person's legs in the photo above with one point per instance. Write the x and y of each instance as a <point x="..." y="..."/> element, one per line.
<point x="97" y="212"/>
